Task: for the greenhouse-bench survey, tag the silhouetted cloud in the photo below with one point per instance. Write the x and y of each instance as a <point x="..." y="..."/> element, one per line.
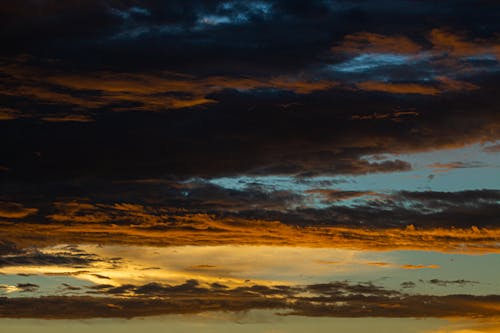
<point x="27" y="287"/>
<point x="445" y="283"/>
<point x="336" y="299"/>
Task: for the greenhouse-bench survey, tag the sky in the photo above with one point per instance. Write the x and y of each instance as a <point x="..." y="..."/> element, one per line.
<point x="253" y="166"/>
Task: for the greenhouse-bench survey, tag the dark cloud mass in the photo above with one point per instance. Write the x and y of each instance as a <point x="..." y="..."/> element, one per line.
<point x="259" y="87"/>
<point x="336" y="299"/>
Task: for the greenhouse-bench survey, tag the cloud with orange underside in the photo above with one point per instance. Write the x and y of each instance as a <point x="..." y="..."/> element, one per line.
<point x="334" y="300"/>
<point x="166" y="227"/>
<point x="448" y="49"/>
<point x="442" y="85"/>
<point x="143" y="91"/>
<point x="457" y="45"/>
<point x="14" y="210"/>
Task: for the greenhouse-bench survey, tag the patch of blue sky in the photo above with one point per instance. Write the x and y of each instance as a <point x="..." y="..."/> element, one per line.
<point x="473" y="154"/>
<point x="370" y="61"/>
<point x="478" y="273"/>
<point x="416" y="180"/>
<point x="47" y="285"/>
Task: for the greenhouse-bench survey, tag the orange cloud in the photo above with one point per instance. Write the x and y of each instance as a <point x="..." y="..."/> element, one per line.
<point x="13" y="210"/>
<point x="115" y="224"/>
<point x="442" y="40"/>
<point x="448" y="84"/>
<point x="443" y="85"/>
<point x="456" y="45"/>
<point x="9" y="114"/>
<point x="398" y="88"/>
<point x="143" y="91"/>
<point x="412" y="267"/>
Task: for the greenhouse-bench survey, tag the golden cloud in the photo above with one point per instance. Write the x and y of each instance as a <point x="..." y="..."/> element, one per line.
<point x="101" y="224"/>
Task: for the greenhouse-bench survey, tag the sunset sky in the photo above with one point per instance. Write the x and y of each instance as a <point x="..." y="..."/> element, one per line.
<point x="250" y="166"/>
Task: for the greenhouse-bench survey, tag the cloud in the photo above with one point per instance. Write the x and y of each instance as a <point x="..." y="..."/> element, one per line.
<point x="13" y="210"/>
<point x="445" y="283"/>
<point x="321" y="135"/>
<point x="33" y="257"/>
<point x="9" y="114"/>
<point x="204" y="229"/>
<point x="336" y="299"/>
<point x="27" y="287"/>
<point x="338" y="195"/>
<point x="99" y="94"/>
<point x="446" y="167"/>
<point x="387" y="63"/>
<point x="455" y="45"/>
<point x="367" y="42"/>
<point x="408" y="284"/>
<point x="412" y="267"/>
<point x="122" y="91"/>
<point x="198" y="211"/>
<point x="398" y="88"/>
<point x="444" y="85"/>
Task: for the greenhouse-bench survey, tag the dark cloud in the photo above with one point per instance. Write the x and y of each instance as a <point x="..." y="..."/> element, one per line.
<point x="408" y="284"/>
<point x="27" y="287"/>
<point x="41" y="259"/>
<point x="338" y="195"/>
<point x="8" y="248"/>
<point x="157" y="203"/>
<point x="245" y="135"/>
<point x="336" y="299"/>
<point x="29" y="256"/>
<point x="445" y="283"/>
<point x="217" y="74"/>
<point x="198" y="211"/>
<point x="473" y="229"/>
<point x="69" y="287"/>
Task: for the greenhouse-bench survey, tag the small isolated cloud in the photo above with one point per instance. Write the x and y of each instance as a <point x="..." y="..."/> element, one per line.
<point x="27" y="287"/>
<point x="419" y="266"/>
<point x="445" y="283"/>
<point x="408" y="284"/>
